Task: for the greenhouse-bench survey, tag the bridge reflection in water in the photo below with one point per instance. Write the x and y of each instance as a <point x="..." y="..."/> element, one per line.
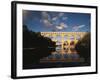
<point x="65" y="47"/>
<point x="65" y="54"/>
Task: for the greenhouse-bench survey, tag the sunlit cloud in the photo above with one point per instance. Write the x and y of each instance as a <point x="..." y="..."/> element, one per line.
<point x="76" y="28"/>
<point x="54" y="18"/>
<point x="47" y="23"/>
<point x="50" y="21"/>
<point x="61" y="26"/>
<point x="81" y="26"/>
<point x="46" y="19"/>
<point x="45" y="15"/>
<point x="56" y="21"/>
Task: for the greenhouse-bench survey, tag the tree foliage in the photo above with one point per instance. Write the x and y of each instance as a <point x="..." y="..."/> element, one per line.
<point x="34" y="39"/>
<point x="83" y="47"/>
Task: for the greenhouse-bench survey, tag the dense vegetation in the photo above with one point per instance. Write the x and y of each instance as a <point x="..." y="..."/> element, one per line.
<point x="35" y="40"/>
<point x="83" y="47"/>
<point x="35" y="47"/>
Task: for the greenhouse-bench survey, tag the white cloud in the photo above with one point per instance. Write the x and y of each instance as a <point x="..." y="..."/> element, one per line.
<point x="81" y="26"/>
<point x="54" y="18"/>
<point x="45" y="15"/>
<point x="61" y="26"/>
<point x="76" y="28"/>
<point x="46" y="19"/>
<point x="47" y="22"/>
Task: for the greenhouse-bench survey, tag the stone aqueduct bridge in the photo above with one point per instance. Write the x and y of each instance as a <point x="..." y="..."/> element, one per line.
<point x="75" y="35"/>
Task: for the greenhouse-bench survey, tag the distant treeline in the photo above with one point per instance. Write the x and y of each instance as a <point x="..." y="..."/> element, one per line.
<point x="35" y="39"/>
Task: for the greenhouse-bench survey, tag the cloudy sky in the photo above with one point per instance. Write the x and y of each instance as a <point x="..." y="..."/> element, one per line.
<point x="40" y="21"/>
